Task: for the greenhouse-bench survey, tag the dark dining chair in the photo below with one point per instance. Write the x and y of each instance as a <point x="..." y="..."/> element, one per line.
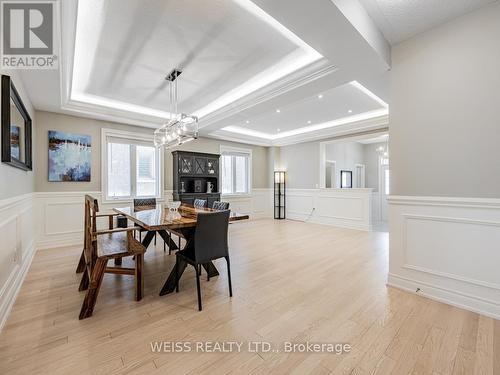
<point x="143" y="203"/>
<point x="210" y="243"/>
<point x="199" y="203"/>
<point x="220" y="206"/>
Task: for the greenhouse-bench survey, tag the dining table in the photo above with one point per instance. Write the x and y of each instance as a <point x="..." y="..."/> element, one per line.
<point x="161" y="219"/>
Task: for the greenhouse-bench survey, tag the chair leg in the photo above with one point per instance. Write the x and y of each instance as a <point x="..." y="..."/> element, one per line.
<point x="176" y="274"/>
<point x="179" y="246"/>
<point x="81" y="263"/>
<point x="155" y="238"/>
<point x="208" y="275"/>
<point x="84" y="282"/>
<point x="140" y="236"/>
<point x="229" y="276"/>
<point x="93" y="291"/>
<point x="139" y="277"/>
<point x="198" y="286"/>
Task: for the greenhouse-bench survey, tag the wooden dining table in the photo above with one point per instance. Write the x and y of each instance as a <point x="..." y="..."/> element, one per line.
<point x="160" y="219"/>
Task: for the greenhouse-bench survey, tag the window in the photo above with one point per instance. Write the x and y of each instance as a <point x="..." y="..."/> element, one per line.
<point x="131" y="167"/>
<point x="235" y="170"/>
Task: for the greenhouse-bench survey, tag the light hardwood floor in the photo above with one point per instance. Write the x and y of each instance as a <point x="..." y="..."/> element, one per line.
<point x="292" y="282"/>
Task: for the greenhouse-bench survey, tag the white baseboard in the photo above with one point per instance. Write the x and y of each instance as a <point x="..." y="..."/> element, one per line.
<point x="11" y="288"/>
<point x="445" y="295"/>
<point x="448" y="248"/>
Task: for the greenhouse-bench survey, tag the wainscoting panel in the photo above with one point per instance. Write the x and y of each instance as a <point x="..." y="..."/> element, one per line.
<point x="348" y="208"/>
<point x="60" y="214"/>
<point x="60" y="218"/>
<point x="447" y="249"/>
<point x="16" y="248"/>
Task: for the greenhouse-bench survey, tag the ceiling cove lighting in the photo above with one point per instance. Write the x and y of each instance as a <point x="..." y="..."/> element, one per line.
<point x="90" y="20"/>
<point x="384" y="111"/>
<point x="179" y="128"/>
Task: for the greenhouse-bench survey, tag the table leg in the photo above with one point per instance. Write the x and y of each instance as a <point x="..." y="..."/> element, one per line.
<point x="211" y="269"/>
<point x="148" y="238"/>
<point x="168" y="240"/>
<point x="169" y="286"/>
<point x="170" y="283"/>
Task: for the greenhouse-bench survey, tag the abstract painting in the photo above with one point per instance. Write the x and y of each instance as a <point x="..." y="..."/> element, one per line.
<point x="69" y="156"/>
<point x="15" y="135"/>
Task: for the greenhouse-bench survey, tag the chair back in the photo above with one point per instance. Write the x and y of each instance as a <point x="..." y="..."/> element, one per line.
<point x="144" y="202"/>
<point x="90" y="228"/>
<point x="200" y="203"/>
<point x="210" y="239"/>
<point x="221" y="206"/>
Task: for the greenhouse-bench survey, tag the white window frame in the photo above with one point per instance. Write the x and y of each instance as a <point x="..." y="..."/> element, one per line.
<point x="137" y="138"/>
<point x="236" y="150"/>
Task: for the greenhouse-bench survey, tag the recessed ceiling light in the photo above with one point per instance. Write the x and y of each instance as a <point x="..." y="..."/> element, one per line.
<point x="320" y="96"/>
<point x="247" y="121"/>
<point x="278" y="111"/>
<point x="350" y="111"/>
<point x="278" y="129"/>
<point x="309" y="121"/>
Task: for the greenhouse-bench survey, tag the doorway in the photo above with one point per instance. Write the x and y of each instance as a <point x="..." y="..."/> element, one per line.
<point x="384" y="183"/>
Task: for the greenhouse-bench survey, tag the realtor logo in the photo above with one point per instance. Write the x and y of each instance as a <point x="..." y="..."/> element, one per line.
<point x="28" y="35"/>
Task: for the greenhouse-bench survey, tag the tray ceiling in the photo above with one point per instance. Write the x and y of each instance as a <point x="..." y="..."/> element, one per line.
<point x="225" y="48"/>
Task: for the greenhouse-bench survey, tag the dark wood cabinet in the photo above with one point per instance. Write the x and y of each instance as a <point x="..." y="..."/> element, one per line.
<point x="192" y="172"/>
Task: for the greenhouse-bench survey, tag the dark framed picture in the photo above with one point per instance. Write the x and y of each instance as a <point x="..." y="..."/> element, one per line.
<point x="346" y="179"/>
<point x="16" y="128"/>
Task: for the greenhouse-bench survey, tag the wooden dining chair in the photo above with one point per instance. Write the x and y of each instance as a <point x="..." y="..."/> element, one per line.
<point x="221" y="206"/>
<point x="210" y="243"/>
<point x="101" y="246"/>
<point x="199" y="203"/>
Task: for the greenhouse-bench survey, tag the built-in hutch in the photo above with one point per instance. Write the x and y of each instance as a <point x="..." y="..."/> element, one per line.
<point x="196" y="176"/>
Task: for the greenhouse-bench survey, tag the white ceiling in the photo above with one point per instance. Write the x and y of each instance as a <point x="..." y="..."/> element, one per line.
<point x="241" y="61"/>
<point x="342" y="101"/>
<point x="401" y="19"/>
<point x="134" y="45"/>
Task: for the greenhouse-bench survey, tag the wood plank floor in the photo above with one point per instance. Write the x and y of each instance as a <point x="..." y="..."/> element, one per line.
<point x="292" y="282"/>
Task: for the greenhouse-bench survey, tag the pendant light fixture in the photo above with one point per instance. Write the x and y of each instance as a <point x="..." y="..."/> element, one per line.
<point x="180" y="128"/>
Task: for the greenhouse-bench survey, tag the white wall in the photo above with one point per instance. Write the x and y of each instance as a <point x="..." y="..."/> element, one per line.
<point x="301" y="162"/>
<point x="444" y="143"/>
<point x="371" y="160"/>
<point x="16" y="219"/>
<point x="20" y="182"/>
<point x="445" y="111"/>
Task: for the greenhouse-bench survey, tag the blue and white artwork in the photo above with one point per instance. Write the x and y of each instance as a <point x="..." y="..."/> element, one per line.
<point x="69" y="156"/>
<point x="15" y="135"/>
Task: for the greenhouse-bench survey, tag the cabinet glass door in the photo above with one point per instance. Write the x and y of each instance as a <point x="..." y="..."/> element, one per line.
<point x="200" y="165"/>
<point x="185" y="164"/>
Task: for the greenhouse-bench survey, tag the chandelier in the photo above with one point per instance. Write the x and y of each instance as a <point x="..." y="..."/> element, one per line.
<point x="180" y="128"/>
